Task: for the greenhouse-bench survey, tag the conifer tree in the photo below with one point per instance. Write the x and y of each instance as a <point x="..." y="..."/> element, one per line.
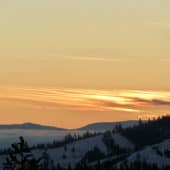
<point x="21" y="158"/>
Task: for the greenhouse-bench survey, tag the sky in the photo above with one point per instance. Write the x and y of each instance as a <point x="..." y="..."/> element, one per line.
<point x="71" y="63"/>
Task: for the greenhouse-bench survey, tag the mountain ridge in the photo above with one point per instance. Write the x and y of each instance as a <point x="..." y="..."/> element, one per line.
<point x="109" y="125"/>
<point x="99" y="126"/>
<point x="29" y="125"/>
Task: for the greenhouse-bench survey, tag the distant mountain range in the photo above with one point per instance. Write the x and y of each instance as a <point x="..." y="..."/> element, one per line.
<point x="91" y="127"/>
<point x="30" y="126"/>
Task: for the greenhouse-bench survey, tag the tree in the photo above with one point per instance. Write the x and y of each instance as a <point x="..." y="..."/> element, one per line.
<point x="45" y="160"/>
<point x="73" y="150"/>
<point x="64" y="156"/>
<point x="65" y="148"/>
<point x="59" y="167"/>
<point x="69" y="167"/>
<point x="93" y="155"/>
<point x="21" y="158"/>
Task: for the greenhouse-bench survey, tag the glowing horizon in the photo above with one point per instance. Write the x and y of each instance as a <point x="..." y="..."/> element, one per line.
<point x="132" y="103"/>
<point x="70" y="63"/>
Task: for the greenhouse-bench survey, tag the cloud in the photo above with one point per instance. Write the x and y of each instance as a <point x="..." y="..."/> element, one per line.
<point x="164" y="24"/>
<point x="165" y="60"/>
<point x="98" y="59"/>
<point x="160" y="102"/>
<point x="107" y="105"/>
<point x="87" y="100"/>
<point x="154" y="102"/>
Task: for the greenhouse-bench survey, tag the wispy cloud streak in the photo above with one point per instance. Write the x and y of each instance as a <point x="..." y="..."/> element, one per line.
<point x="89" y="100"/>
<point x="98" y="59"/>
<point x="165" y="60"/>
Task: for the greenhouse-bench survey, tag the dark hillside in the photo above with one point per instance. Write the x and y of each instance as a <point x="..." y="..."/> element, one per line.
<point x="149" y="133"/>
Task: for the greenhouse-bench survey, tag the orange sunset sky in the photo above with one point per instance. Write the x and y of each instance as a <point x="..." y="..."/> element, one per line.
<point x="71" y="63"/>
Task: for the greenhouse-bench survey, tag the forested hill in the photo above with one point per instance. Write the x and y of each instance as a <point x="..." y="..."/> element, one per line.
<point x="148" y="133"/>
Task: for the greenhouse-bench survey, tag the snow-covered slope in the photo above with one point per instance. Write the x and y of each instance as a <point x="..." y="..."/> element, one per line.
<point x="123" y="142"/>
<point x="81" y="148"/>
<point x="65" y="155"/>
<point x="154" y="154"/>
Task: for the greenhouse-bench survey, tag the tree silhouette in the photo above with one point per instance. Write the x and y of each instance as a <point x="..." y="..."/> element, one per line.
<point x="21" y="158"/>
